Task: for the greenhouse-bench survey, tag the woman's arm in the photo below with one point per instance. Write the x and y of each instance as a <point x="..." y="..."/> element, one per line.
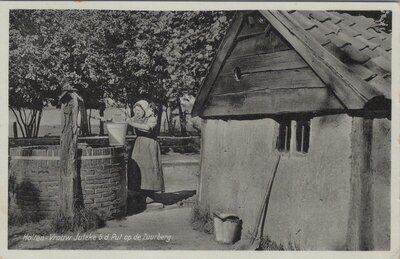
<point x="147" y="126"/>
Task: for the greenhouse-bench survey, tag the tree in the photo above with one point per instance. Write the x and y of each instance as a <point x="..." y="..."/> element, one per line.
<point x="30" y="84"/>
<point x="123" y="55"/>
<point x="51" y="48"/>
<point x="194" y="44"/>
<point x="168" y="56"/>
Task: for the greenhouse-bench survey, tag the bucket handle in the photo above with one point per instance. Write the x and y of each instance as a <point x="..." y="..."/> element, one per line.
<point x="226" y="217"/>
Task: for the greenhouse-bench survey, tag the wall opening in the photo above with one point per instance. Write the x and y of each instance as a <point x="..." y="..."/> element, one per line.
<point x="284" y="135"/>
<point x="302" y="135"/>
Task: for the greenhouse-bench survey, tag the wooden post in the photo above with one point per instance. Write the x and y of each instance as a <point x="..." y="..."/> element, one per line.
<point x="200" y="177"/>
<point x="360" y="225"/>
<point x="15" y="129"/>
<point x="68" y="192"/>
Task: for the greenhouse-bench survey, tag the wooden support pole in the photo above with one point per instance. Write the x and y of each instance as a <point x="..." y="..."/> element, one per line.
<point x="200" y="177"/>
<point x="68" y="193"/>
<point x="360" y="224"/>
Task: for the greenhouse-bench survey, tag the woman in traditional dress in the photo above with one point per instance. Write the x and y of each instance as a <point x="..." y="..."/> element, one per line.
<point x="146" y="153"/>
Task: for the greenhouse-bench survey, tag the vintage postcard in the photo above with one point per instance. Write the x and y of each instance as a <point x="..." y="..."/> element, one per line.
<point x="265" y="129"/>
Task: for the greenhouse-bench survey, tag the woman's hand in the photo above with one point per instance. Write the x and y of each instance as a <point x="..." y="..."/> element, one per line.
<point x="129" y="121"/>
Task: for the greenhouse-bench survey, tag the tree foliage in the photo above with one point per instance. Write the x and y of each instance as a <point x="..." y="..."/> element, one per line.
<point x="382" y="18"/>
<point x="124" y="55"/>
<point x="168" y="54"/>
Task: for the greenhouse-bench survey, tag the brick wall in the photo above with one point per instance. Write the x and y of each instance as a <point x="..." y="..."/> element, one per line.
<point x="34" y="179"/>
<point x="104" y="180"/>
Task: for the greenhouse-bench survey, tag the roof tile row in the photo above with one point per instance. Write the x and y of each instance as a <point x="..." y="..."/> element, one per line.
<point x="354" y="40"/>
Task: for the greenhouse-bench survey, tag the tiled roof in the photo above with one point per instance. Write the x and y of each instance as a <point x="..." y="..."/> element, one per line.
<point x="350" y="55"/>
<point x="353" y="40"/>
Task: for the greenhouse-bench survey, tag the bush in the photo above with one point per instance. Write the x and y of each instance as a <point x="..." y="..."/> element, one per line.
<point x="201" y="220"/>
<point x="83" y="221"/>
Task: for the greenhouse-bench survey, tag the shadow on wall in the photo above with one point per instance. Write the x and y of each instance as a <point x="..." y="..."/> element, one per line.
<point x="23" y="200"/>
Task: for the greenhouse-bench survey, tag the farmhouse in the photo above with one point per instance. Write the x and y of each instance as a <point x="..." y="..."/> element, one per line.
<point x="298" y="103"/>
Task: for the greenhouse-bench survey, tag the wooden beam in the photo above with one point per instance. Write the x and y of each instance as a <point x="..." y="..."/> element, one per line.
<point x="201" y="178"/>
<point x="284" y="79"/>
<point x="360" y="224"/>
<point x="352" y="91"/>
<point x="224" y="50"/>
<point x="269" y="42"/>
<point x="288" y="59"/>
<point x="272" y="102"/>
<point x="255" y="29"/>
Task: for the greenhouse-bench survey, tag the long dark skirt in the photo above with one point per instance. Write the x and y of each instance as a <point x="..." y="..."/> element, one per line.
<point x="145" y="169"/>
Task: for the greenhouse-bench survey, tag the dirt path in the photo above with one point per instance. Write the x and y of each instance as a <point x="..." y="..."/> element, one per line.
<point x="170" y="226"/>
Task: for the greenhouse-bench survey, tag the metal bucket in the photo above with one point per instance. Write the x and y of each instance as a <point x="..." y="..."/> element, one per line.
<point x="227" y="228"/>
<point x="116" y="133"/>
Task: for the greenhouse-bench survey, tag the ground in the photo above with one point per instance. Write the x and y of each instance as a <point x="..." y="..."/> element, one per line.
<point x="170" y="224"/>
<point x="164" y="223"/>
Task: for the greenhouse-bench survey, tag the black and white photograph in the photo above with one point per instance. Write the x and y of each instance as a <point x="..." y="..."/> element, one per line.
<point x="219" y="129"/>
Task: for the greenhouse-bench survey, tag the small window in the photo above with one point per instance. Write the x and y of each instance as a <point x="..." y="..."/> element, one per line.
<point x="302" y="135"/>
<point x="284" y="135"/>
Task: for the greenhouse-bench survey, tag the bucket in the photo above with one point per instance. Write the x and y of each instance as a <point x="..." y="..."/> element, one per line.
<point x="116" y="133"/>
<point x="227" y="228"/>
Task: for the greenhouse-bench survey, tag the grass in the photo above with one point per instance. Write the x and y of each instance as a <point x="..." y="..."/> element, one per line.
<point x="83" y="221"/>
<point x="19" y="218"/>
<point x="201" y="220"/>
<point x="268" y="244"/>
<point x="32" y="223"/>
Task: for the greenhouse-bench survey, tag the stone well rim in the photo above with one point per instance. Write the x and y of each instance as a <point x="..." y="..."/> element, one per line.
<point x="53" y="151"/>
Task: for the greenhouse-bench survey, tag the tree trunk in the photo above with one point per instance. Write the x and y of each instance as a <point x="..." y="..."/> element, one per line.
<point x="19" y="123"/>
<point x="28" y="124"/>
<point x="39" y="118"/>
<point x="159" y="118"/>
<point x="84" y="130"/>
<point x="170" y="120"/>
<point x="68" y="196"/>
<point x="89" y="122"/>
<point x="101" y="113"/>
<point x="182" y="118"/>
<point x="15" y="129"/>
